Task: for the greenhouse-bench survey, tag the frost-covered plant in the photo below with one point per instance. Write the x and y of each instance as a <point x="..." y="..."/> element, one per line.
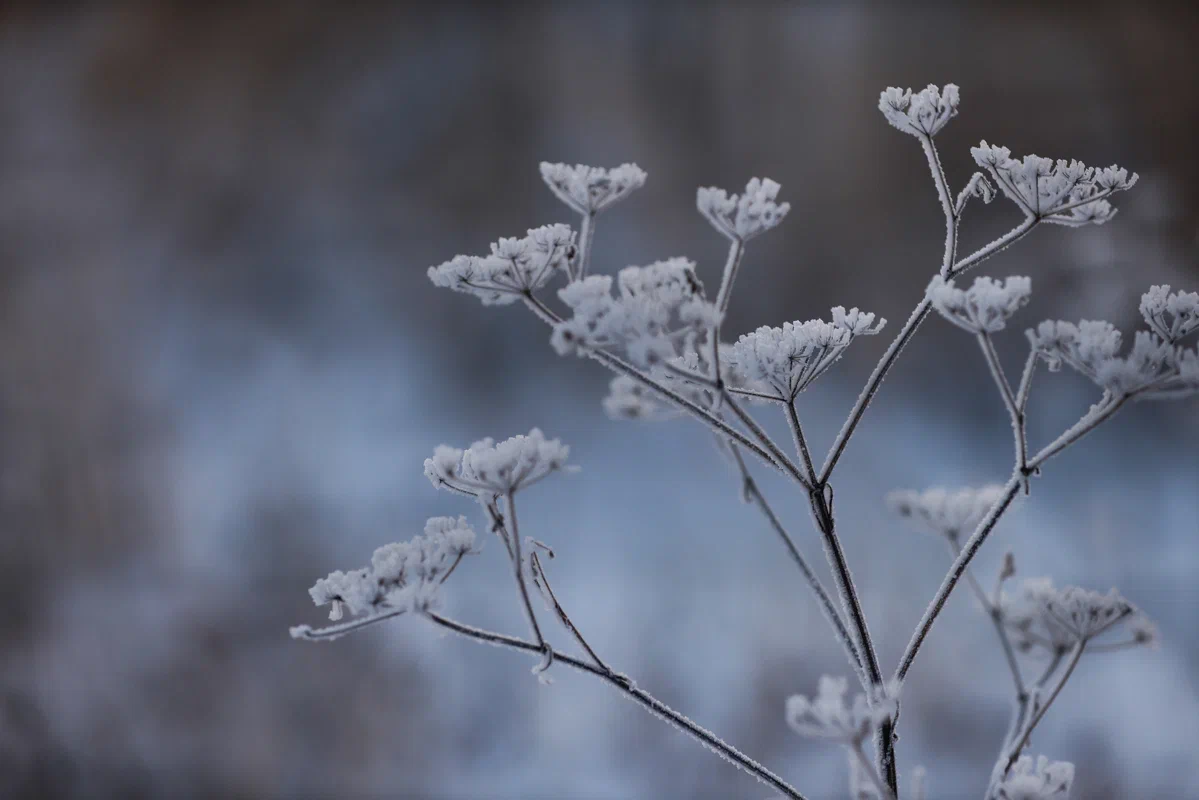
<point x="660" y="333"/>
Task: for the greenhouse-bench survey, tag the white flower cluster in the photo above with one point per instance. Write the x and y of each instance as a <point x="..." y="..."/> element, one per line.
<point x="656" y="306"/>
<point x="629" y="399"/>
<point x="827" y="716"/>
<point x="784" y="361"/>
<point x="943" y="512"/>
<point x="743" y="217"/>
<point x="489" y="468"/>
<point x="589" y="190"/>
<point x="1041" y="614"/>
<point x="983" y="308"/>
<point x="403" y="576"/>
<point x="920" y="114"/>
<point x="516" y="267"/>
<point x="1153" y="368"/>
<point x="1047" y="780"/>
<point x="1063" y="192"/>
<point x="1171" y="315"/>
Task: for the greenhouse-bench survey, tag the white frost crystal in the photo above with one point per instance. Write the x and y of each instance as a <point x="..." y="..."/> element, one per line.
<point x="1062" y="192"/>
<point x="1171" y="315"/>
<point x="589" y="190"/>
<point x="983" y="308"/>
<point x="494" y="468"/>
<point x="944" y="512"/>
<point x="403" y="576"/>
<point x="922" y="113"/>
<point x="654" y="307"/>
<point x="743" y="217"/>
<point x="1047" y="780"/>
<point x="784" y="361"/>
<point x="515" y="267"/>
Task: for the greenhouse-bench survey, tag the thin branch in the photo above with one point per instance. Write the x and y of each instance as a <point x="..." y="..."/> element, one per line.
<point x="1091" y="420"/>
<point x="1075" y="655"/>
<point x="519" y="570"/>
<point x="871" y="772"/>
<point x="332" y="632"/>
<point x="801" y="443"/>
<point x="947" y="205"/>
<point x="955" y="574"/>
<point x="539" y="574"/>
<point x="1010" y="402"/>
<point x="996" y="615"/>
<point x="780" y="458"/>
<point x="586" y="237"/>
<point x="643" y="698"/>
<point x="754" y="494"/>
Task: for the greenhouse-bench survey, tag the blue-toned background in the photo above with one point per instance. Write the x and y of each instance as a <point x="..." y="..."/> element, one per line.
<point x="221" y="366"/>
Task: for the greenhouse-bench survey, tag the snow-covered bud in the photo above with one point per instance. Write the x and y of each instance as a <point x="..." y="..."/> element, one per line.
<point x="1171" y="315"/>
<point x="492" y="468"/>
<point x="515" y="268"/>
<point x="1062" y="192"/>
<point x="922" y="113"/>
<point x="983" y="308"/>
<point x="944" y="512"/>
<point x="784" y="361"/>
<point x="1048" y="780"/>
<point x="589" y="190"/>
<point x="743" y="217"/>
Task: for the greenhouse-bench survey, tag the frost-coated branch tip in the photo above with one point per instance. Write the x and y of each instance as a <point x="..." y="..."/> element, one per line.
<point x="514" y="269"/>
<point x="742" y="217"/>
<point x="922" y="113"/>
<point x="983" y="308"/>
<point x="589" y="190"/>
<point x="1062" y="192"/>
<point x="493" y="468"/>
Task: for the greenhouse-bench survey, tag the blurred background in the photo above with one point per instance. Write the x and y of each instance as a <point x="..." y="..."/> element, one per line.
<point x="221" y="365"/>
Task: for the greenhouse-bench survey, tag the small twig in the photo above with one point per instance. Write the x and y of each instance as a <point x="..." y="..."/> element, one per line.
<point x="640" y="696"/>
<point x="331" y="632"/>
<point x="871" y="772"/>
<point x="539" y="575"/>
<point x="1075" y="655"/>
<point x="523" y="589"/>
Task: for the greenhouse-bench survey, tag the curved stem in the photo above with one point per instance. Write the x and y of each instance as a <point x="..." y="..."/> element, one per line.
<point x="641" y="697"/>
<point x="1036" y="719"/>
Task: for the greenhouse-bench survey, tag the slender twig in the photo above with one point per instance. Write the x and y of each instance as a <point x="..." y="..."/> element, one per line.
<point x="947" y="205"/>
<point x="996" y="614"/>
<point x="331" y="632"/>
<point x="522" y="587"/>
<point x="1011" y="401"/>
<point x="732" y="266"/>
<point x="754" y="494"/>
<point x="769" y="444"/>
<point x="801" y="443"/>
<point x="563" y="617"/>
<point x="586" y="237"/>
<point x="1100" y="413"/>
<point x="1075" y="655"/>
<point x="871" y="772"/>
<point x="640" y="696"/>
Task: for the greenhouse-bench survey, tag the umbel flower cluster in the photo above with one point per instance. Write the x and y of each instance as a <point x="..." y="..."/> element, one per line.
<point x="662" y="335"/>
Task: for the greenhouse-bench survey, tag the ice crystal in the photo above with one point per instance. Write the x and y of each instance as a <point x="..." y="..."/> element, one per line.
<point x="1171" y="315"/>
<point x="1062" y="192"/>
<point x="1047" y="780"/>
<point x="402" y="576"/>
<point x="655" y="306"/>
<point x="784" y="361"/>
<point x="743" y="217"/>
<point x="498" y="469"/>
<point x="944" y="512"/>
<point x="515" y="267"/>
<point x="1152" y="368"/>
<point x="983" y="308"/>
<point x="589" y="190"/>
<point x="922" y="113"/>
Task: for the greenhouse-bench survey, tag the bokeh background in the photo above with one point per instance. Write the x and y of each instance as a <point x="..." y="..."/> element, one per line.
<point x="221" y="366"/>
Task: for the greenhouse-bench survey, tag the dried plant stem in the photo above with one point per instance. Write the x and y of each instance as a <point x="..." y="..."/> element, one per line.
<point x="1022" y="741"/>
<point x="522" y="587"/>
<point x="643" y="698"/>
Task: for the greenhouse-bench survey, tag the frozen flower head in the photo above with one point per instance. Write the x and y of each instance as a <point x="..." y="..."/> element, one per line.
<point x="1047" y="780"/>
<point x="490" y="468"/>
<point x="983" y="308"/>
<point x="784" y="361"/>
<point x="920" y="114"/>
<point x="655" y="307"/>
<point x="402" y="576"/>
<point x="1171" y="315"/>
<point x="629" y="399"/>
<point x="1040" y="614"/>
<point x="828" y="716"/>
<point x="515" y="268"/>
<point x="1152" y="368"/>
<point x="1062" y="192"/>
<point x="741" y="218"/>
<point x="589" y="190"/>
<point x="943" y="512"/>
